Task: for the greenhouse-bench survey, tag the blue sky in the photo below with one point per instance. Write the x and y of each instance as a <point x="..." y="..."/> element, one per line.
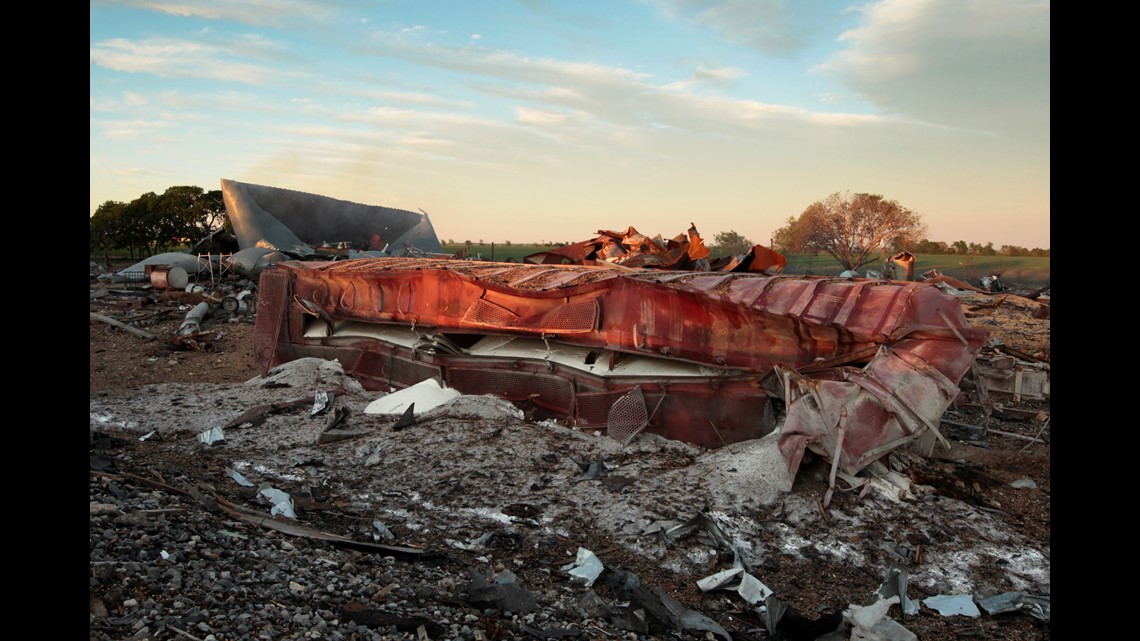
<point x="536" y="120"/>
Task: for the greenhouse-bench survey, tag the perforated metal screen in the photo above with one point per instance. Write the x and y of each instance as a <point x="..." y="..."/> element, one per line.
<point x="628" y="417"/>
<point x="488" y="313"/>
<point x="572" y="317"/>
<point x="594" y="407"/>
<point x="395" y="371"/>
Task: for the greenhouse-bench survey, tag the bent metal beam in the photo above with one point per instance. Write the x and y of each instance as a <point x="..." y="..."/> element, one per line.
<point x="696" y="356"/>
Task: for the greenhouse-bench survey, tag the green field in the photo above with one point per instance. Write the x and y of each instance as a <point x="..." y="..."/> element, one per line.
<point x="1017" y="272"/>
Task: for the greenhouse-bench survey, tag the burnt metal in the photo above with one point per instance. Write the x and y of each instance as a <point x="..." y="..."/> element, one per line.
<point x="684" y="252"/>
<point x="901" y="266"/>
<point x="709" y="351"/>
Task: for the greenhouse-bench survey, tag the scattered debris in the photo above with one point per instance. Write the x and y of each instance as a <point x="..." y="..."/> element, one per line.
<point x="212" y="435"/>
<point x="894" y="585"/>
<point x="952" y="605"/>
<point x="114" y="323"/>
<point x="237" y="476"/>
<point x="585" y="568"/>
<point x="382" y="532"/>
<point x="992" y="283"/>
<point x="504" y="593"/>
<point x="1033" y="605"/>
<point x="408" y="419"/>
<point x="870" y="623"/>
<point x="684" y="252"/>
<point x="322" y="401"/>
<point x="423" y="396"/>
<point x="294" y="529"/>
<point x="1021" y="379"/>
<point x="282" y="502"/>
<point x="366" y="615"/>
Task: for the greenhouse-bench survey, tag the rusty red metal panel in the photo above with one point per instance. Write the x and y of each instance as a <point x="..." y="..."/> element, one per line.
<point x="881" y="357"/>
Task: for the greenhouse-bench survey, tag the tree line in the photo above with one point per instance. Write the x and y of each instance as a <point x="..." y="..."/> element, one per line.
<point x="154" y="223"/>
<point x="854" y="229"/>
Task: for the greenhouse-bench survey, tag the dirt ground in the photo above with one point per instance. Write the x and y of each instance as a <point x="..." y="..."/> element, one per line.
<point x="973" y="518"/>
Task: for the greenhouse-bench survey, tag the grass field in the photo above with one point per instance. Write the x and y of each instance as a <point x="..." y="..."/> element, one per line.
<point x="1017" y="272"/>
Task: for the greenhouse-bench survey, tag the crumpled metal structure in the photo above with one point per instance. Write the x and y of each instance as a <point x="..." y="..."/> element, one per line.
<point x="860" y="366"/>
<point x="301" y="224"/>
<point x="631" y="248"/>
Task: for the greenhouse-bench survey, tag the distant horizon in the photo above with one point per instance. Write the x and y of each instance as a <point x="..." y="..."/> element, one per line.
<point x="514" y="118"/>
<point x="707" y="237"/>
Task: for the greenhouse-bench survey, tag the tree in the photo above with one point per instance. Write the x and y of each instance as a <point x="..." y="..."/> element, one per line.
<point x="792" y="237"/>
<point x="729" y="243"/>
<point x="105" y="226"/>
<point x="855" y="229"/>
<point x="927" y="246"/>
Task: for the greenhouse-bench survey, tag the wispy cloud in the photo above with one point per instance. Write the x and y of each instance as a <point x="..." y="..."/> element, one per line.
<point x="271" y="13"/>
<point x="775" y="27"/>
<point x="132" y="129"/>
<point x="610" y="94"/>
<point x="180" y="58"/>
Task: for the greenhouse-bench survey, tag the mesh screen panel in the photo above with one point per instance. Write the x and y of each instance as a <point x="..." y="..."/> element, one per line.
<point x="394" y="371"/>
<point x="581" y="316"/>
<point x="407" y="372"/>
<point x="628" y="416"/>
<point x="488" y="313"/>
<point x="594" y="408"/>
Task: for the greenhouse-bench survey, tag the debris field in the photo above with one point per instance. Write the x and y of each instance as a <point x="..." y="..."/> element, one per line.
<point x="229" y="502"/>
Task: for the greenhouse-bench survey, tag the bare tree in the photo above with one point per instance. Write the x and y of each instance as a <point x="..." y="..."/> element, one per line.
<point x="854" y="229"/>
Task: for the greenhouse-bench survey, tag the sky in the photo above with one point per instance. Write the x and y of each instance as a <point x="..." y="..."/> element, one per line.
<point x="545" y="121"/>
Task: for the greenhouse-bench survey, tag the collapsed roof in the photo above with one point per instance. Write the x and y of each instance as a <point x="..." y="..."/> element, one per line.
<point x="296" y="223"/>
<point x="861" y="367"/>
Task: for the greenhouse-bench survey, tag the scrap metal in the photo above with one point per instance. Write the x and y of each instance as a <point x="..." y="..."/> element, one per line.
<point x="712" y="354"/>
<point x="633" y="249"/>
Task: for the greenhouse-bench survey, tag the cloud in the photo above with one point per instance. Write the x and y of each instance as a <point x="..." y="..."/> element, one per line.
<point x="137" y="129"/>
<point x="540" y="117"/>
<point x="610" y="96"/>
<point x="981" y="64"/>
<point x="175" y="58"/>
<point x="775" y="27"/>
<point x="271" y="13"/>
<point x="705" y="75"/>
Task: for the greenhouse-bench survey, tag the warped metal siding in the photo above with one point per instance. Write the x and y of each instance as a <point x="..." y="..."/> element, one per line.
<point x="862" y="365"/>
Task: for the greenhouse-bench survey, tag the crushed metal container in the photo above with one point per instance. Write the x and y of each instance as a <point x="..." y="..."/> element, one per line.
<point x="858" y="366"/>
